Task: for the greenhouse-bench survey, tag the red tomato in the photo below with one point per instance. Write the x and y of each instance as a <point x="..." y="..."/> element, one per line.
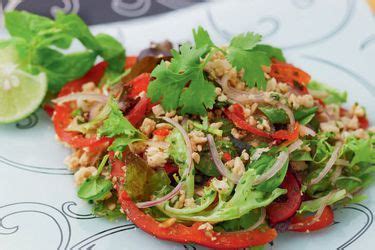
<point x="138" y="85"/>
<point x="363" y="122"/>
<point x="242" y="124"/>
<point x="227" y="156"/>
<point x="308" y="224"/>
<point x="130" y="61"/>
<point x="62" y="116"/>
<point x="49" y="109"/>
<point x="281" y="211"/>
<point x="116" y="165"/>
<point x="184" y="234"/>
<point x="138" y="112"/>
<point x="295" y="77"/>
<point x="162" y="132"/>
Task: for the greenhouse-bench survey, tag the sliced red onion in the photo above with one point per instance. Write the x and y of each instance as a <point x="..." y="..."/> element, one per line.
<point x="240" y="96"/>
<point x="160" y="200"/>
<point x="329" y="164"/>
<point x="336" y="174"/>
<point x="81" y="96"/>
<point x="260" y="220"/>
<point x="189" y="164"/>
<point x="280" y="161"/>
<point x="306" y="131"/>
<point x="224" y="171"/>
<point x="294" y="146"/>
<point x="289" y="113"/>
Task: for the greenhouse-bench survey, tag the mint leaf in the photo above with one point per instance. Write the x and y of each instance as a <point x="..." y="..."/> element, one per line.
<point x="112" y="52"/>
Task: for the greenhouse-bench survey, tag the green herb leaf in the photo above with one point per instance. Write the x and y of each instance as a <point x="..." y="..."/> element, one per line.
<point x="272" y="52"/>
<point x="275" y="115"/>
<point x="241" y="56"/>
<point x="329" y="199"/>
<point x="202" y="38"/>
<point x="305" y="115"/>
<point x="328" y="94"/>
<point x="170" y="82"/>
<point x="112" y="51"/>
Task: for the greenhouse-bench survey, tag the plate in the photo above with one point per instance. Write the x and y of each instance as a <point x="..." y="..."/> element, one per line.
<point x="39" y="208"/>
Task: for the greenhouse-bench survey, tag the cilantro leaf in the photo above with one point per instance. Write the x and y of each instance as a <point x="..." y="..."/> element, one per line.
<point x="245" y="41"/>
<point x="241" y="54"/>
<point x="251" y="62"/>
<point x="171" y="80"/>
<point x="198" y="97"/>
<point x="272" y="52"/>
<point x="118" y="127"/>
<point x="202" y="38"/>
<point x="116" y="124"/>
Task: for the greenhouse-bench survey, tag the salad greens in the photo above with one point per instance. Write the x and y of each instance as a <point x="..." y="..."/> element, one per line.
<point x="328" y="94"/>
<point x="43" y="45"/>
<point x="188" y="64"/>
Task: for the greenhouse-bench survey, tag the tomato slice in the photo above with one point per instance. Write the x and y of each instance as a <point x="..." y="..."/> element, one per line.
<point x="295" y="77"/>
<point x="363" y="122"/>
<point x="162" y="132"/>
<point x="116" y="165"/>
<point x="62" y="115"/>
<point x="281" y="211"/>
<point x="184" y="234"/>
<point x="242" y="124"/>
<point x="300" y="223"/>
<point x="49" y="109"/>
<point x="138" y="85"/>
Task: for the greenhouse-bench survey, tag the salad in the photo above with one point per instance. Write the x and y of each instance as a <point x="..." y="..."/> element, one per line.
<point x="220" y="146"/>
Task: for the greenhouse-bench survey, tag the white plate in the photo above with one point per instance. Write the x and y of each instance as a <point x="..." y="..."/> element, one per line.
<point x="333" y="40"/>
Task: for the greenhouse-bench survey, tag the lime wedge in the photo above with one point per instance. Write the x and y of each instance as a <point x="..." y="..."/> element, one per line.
<point x="20" y="92"/>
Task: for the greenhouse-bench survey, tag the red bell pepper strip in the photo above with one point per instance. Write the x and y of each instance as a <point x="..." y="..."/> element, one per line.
<point x="138" y="85"/>
<point x="286" y="134"/>
<point x="116" y="165"/>
<point x="278" y="135"/>
<point x="309" y="223"/>
<point x="62" y="115"/>
<point x="184" y="234"/>
<point x="242" y="124"/>
<point x="281" y="211"/>
<point x="295" y="77"/>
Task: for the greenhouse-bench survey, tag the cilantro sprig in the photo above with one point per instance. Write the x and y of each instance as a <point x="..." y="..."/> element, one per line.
<point x="182" y="84"/>
<point x="118" y="127"/>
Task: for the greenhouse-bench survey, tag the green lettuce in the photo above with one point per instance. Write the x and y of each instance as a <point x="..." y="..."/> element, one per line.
<point x="329" y="199"/>
<point x="328" y="94"/>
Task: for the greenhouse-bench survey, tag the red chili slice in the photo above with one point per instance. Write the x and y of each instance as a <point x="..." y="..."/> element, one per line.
<point x="300" y="223"/>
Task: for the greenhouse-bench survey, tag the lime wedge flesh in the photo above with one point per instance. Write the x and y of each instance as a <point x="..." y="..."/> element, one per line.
<point x="20" y="92"/>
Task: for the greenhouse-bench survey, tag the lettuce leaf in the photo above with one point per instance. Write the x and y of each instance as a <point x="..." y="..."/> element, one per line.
<point x="328" y="94"/>
<point x="329" y="199"/>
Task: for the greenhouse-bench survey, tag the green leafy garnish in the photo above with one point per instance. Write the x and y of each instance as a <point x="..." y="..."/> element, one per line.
<point x="328" y="94"/>
<point x="95" y="187"/>
<point x="182" y="83"/>
<point x="329" y="199"/>
<point x="305" y="115"/>
<point x="241" y="56"/>
<point x="275" y="115"/>
<point x="40" y="42"/>
<point x="170" y="85"/>
<point x="118" y="127"/>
